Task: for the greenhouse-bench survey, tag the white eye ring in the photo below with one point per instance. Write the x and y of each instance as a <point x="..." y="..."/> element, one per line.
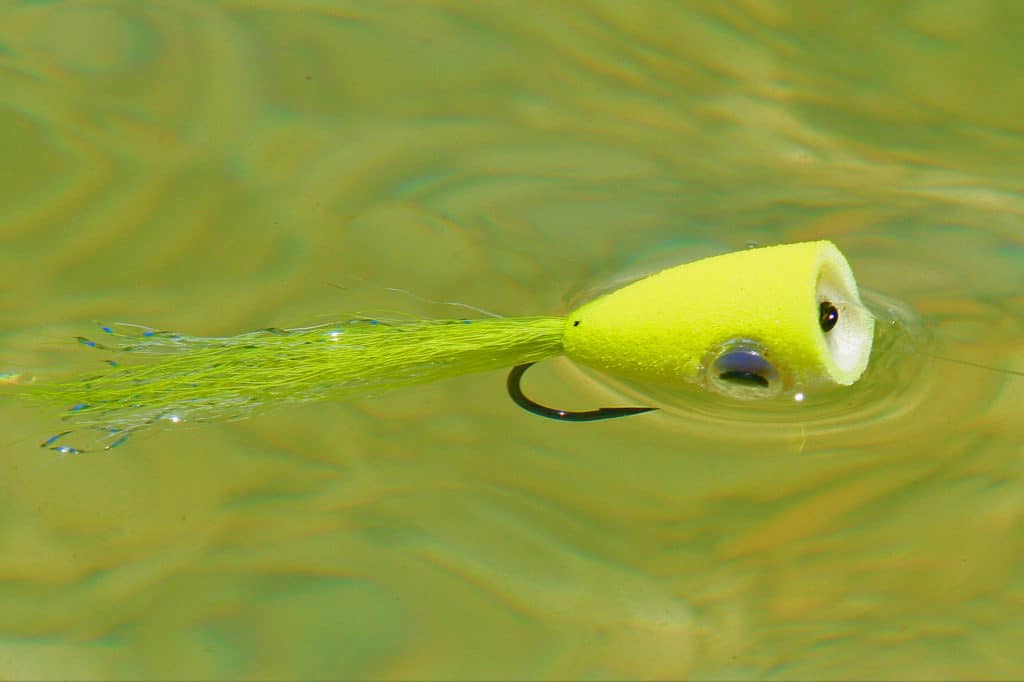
<point x="849" y="340"/>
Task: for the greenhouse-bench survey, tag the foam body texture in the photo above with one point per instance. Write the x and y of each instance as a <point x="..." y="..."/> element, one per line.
<point x="662" y="329"/>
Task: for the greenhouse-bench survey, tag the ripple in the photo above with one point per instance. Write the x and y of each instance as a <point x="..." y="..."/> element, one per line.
<point x="904" y="393"/>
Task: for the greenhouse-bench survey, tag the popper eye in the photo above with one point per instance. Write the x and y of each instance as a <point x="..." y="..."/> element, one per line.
<point x="741" y="370"/>
<point x="828" y="316"/>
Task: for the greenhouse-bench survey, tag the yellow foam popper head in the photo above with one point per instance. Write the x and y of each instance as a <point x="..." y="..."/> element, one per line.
<point x="797" y="305"/>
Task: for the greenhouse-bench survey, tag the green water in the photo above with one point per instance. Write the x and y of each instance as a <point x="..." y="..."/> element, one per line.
<point x="216" y="167"/>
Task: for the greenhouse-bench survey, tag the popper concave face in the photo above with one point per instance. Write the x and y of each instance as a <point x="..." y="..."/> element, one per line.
<point x="750" y="324"/>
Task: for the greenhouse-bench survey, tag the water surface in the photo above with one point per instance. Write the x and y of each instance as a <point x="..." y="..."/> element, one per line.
<point x="216" y="167"/>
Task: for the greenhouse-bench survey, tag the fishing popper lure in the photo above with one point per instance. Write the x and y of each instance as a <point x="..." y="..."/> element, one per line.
<point x="752" y="324"/>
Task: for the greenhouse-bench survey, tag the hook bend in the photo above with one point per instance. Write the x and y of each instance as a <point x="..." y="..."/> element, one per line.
<point x="515" y="392"/>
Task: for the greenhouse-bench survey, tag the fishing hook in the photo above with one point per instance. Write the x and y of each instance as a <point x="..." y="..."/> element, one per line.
<point x="516" y="393"/>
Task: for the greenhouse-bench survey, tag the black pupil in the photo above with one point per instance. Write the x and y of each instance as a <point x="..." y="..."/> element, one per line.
<point x="745" y="378"/>
<point x="828" y="315"/>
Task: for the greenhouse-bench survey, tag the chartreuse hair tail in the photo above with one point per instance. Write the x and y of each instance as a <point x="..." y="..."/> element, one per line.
<point x="750" y="324"/>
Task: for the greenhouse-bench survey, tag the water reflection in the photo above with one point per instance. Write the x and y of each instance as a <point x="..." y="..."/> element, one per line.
<point x="208" y="167"/>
